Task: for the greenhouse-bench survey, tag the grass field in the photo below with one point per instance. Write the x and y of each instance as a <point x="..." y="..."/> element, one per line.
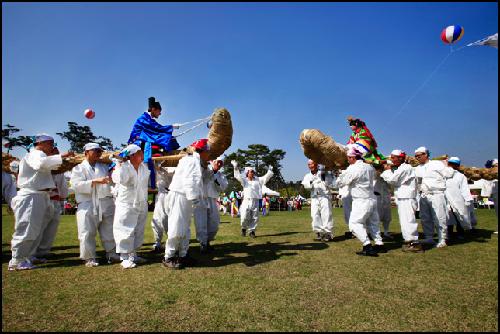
<point x="280" y="281"/>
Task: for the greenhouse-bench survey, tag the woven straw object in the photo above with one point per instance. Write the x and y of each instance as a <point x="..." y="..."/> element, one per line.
<point x="323" y="149"/>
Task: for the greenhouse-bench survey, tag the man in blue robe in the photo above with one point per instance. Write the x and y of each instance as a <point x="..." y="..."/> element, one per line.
<point x="147" y="132"/>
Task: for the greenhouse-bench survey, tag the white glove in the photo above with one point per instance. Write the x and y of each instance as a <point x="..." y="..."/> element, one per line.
<point x="176" y="125"/>
<point x="234" y="163"/>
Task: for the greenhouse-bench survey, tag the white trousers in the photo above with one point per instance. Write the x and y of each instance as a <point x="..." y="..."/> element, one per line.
<point x="364" y="219"/>
<point x="128" y="228"/>
<point x="347" y="207"/>
<point x="179" y="210"/>
<point x="159" y="223"/>
<point x="32" y="212"/>
<point x="472" y="214"/>
<point x="48" y="235"/>
<point x="88" y="224"/>
<point x="206" y="220"/>
<point x="384" y="212"/>
<point x="406" y="214"/>
<point x="321" y="214"/>
<point x="249" y="213"/>
<point x="434" y="215"/>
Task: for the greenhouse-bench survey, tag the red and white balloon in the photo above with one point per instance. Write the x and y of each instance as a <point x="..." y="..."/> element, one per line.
<point x="89" y="113"/>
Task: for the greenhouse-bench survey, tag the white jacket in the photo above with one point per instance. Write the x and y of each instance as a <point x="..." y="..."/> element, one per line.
<point x="252" y="189"/>
<point x="454" y="194"/>
<point x="360" y="177"/>
<point x="81" y="182"/>
<point x="212" y="189"/>
<point x="404" y="181"/>
<point x="432" y="175"/>
<point x="319" y="188"/>
<point x="132" y="185"/>
<point x="187" y="179"/>
<point x="35" y="171"/>
<point x="164" y="177"/>
<point x="61" y="188"/>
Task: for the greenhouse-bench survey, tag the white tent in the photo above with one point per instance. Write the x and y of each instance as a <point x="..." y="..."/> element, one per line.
<point x="267" y="191"/>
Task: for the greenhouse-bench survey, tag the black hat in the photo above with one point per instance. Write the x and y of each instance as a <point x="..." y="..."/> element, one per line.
<point x="153" y="104"/>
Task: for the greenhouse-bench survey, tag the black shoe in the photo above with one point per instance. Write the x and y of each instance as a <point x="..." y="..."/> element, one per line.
<point x="171" y="263"/>
<point x="380" y="249"/>
<point x="367" y="251"/>
<point x="327" y="237"/>
<point x="252" y="235"/>
<point x="348" y="235"/>
<point x="187" y="261"/>
<point x="318" y="237"/>
<point x="243" y="232"/>
<point x="203" y="248"/>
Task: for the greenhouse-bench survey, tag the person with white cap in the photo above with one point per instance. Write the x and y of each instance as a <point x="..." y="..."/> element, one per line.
<point x="360" y="177"/>
<point x="252" y="194"/>
<point x="57" y="195"/>
<point x="32" y="206"/>
<point x="91" y="183"/>
<point x="459" y="200"/>
<point x="402" y="176"/>
<point x="431" y="181"/>
<point x="131" y="176"/>
<point x="159" y="222"/>
<point x="320" y="182"/>
<point x="206" y="215"/>
<point x="185" y="195"/>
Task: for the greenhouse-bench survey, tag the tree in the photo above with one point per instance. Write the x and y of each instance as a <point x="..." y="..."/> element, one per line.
<point x="78" y="136"/>
<point x="13" y="141"/>
<point x="259" y="156"/>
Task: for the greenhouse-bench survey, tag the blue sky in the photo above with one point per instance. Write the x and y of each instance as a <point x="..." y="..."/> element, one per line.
<point x="278" y="68"/>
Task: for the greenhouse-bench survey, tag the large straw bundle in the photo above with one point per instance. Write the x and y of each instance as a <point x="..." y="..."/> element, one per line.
<point x="220" y="135"/>
<point x="323" y="149"/>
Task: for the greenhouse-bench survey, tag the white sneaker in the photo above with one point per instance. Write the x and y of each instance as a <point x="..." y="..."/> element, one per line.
<point x="25" y="265"/>
<point x="91" y="263"/>
<point x="127" y="264"/>
<point x="441" y="244"/>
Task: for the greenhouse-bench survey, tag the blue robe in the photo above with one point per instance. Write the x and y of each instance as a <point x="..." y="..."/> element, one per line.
<point x="148" y="131"/>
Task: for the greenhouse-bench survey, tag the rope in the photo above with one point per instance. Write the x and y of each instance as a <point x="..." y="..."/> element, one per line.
<point x="421" y="86"/>
<point x="192" y="128"/>
<point x="197" y="120"/>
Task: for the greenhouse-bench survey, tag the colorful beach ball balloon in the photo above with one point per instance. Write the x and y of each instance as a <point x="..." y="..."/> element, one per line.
<point x="452" y="34"/>
<point x="89" y="113"/>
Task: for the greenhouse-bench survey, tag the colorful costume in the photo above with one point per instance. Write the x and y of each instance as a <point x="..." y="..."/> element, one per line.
<point x="364" y="141"/>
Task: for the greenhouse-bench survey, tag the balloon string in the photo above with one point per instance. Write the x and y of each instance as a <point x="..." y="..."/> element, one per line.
<point x="420" y="88"/>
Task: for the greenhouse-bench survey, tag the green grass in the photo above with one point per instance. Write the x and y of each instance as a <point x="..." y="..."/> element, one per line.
<point x="280" y="281"/>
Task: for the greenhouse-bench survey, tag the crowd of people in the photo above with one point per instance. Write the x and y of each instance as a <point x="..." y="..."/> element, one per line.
<point x="113" y="200"/>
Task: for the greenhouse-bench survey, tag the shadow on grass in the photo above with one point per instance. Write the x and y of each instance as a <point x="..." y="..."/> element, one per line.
<point x="477" y="235"/>
<point x="281" y="234"/>
<point x="255" y="253"/>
